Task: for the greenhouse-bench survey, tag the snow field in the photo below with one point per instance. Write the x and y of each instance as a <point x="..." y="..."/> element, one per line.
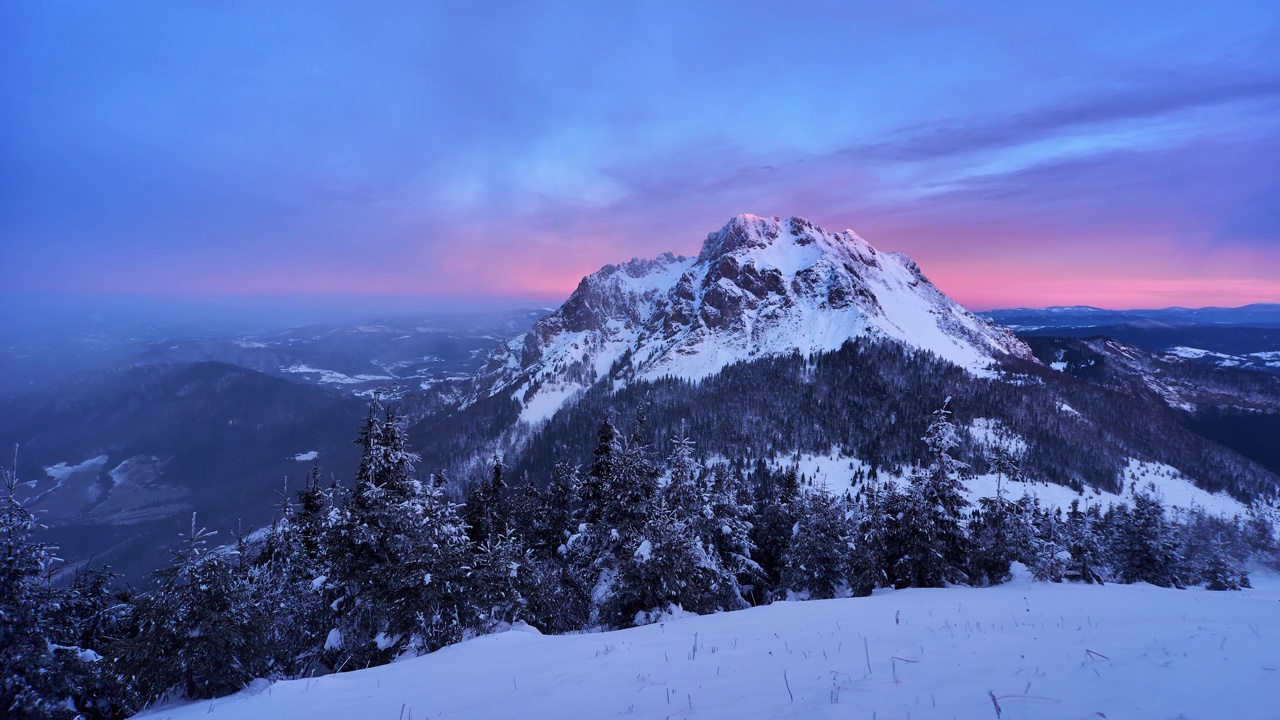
<point x="1037" y="650"/>
<point x="835" y="471"/>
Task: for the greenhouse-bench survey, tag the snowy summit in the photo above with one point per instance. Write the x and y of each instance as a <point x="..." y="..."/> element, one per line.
<point x="760" y="286"/>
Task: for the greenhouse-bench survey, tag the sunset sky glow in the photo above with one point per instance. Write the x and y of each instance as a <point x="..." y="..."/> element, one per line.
<point x="1024" y="154"/>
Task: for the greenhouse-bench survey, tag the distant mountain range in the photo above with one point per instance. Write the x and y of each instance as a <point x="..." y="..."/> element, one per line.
<point x="127" y="437"/>
<point x="1082" y="316"/>
<point x="1246" y="337"/>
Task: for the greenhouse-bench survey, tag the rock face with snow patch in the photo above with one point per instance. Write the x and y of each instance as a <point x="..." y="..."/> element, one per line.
<point x="760" y="286"/>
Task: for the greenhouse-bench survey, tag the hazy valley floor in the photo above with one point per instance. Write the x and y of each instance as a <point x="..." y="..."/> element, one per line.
<point x="1042" y="650"/>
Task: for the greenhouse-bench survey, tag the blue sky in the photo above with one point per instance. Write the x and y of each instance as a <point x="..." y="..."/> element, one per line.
<point x="1116" y="154"/>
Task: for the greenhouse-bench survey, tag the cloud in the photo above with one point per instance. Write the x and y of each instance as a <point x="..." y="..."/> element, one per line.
<point x="506" y="150"/>
<point x="1140" y="102"/>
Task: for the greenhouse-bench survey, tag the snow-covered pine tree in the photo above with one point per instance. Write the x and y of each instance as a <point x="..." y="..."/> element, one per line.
<point x="56" y="634"/>
<point x="934" y="544"/>
<point x="560" y="513"/>
<point x="28" y="668"/>
<point x="1221" y="571"/>
<point x="771" y="529"/>
<point x="591" y="548"/>
<point x="560" y="596"/>
<point x="1214" y="550"/>
<point x="85" y="630"/>
<point x="398" y="553"/>
<point x="1260" y="534"/>
<point x="197" y="632"/>
<point x="681" y="493"/>
<point x="1082" y="540"/>
<point x="502" y="577"/>
<point x="1049" y="555"/>
<point x="668" y="560"/>
<point x="631" y="492"/>
<point x="1143" y="546"/>
<point x="817" y="561"/>
<point x="308" y="525"/>
<point x="485" y="510"/>
<point x="725" y="525"/>
<point x="992" y="526"/>
<point x="594" y="485"/>
<point x="665" y="567"/>
<point x="287" y="576"/>
<point x="873" y="553"/>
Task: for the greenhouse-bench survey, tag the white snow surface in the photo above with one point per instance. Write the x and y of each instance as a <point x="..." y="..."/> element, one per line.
<point x="63" y="469"/>
<point x="993" y="434"/>
<point x="332" y="376"/>
<point x="1176" y="491"/>
<point x="760" y="287"/>
<point x="1041" y="650"/>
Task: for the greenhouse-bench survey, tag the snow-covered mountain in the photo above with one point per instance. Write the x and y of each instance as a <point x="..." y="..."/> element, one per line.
<point x="760" y="286"/>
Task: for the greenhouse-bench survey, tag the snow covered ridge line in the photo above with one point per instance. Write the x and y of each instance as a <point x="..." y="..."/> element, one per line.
<point x="759" y="287"/>
<point x="1033" y="650"/>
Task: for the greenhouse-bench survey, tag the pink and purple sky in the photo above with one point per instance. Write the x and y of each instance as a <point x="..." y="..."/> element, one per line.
<point x="1025" y="154"/>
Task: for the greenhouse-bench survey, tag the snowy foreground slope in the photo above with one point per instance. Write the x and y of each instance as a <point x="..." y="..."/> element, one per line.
<point x="1041" y="650"/>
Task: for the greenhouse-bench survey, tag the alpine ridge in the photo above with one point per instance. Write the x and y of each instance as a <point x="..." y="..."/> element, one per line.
<point x="760" y="286"/>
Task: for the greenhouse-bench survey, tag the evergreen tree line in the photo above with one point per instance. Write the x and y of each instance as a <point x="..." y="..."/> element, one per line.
<point x="872" y="400"/>
<point x="352" y="578"/>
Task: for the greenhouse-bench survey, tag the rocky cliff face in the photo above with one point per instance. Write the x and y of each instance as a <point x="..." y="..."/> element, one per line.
<point x="760" y="286"/>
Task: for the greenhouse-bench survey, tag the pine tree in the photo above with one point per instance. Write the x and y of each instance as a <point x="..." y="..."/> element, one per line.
<point x="502" y="576"/>
<point x="993" y="553"/>
<point x="1221" y="571"/>
<point x="1083" y="542"/>
<point x="560" y="514"/>
<point x="308" y="524"/>
<point x="725" y="525"/>
<point x="670" y="560"/>
<point x="774" y="520"/>
<point x="560" y="595"/>
<point x="934" y="545"/>
<point x="1214" y="550"/>
<point x="873" y="553"/>
<point x="1143" y="547"/>
<point x="196" y="631"/>
<point x="817" y="562"/>
<point x="663" y="568"/>
<point x="623" y="494"/>
<point x="632" y="491"/>
<point x="594" y="487"/>
<point x="287" y="578"/>
<point x="84" y="630"/>
<point x="1260" y="534"/>
<point x="28" y="668"/>
<point x="1049" y="555"/>
<point x="398" y="555"/>
<point x="681" y="493"/>
<point x="484" y="509"/>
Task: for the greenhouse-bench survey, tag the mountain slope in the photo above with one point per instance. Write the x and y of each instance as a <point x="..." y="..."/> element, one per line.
<point x="759" y="287"/>
<point x="123" y="458"/>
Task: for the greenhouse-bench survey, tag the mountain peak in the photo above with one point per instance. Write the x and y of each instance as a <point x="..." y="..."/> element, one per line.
<point x="748" y="232"/>
<point x="760" y="286"/>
